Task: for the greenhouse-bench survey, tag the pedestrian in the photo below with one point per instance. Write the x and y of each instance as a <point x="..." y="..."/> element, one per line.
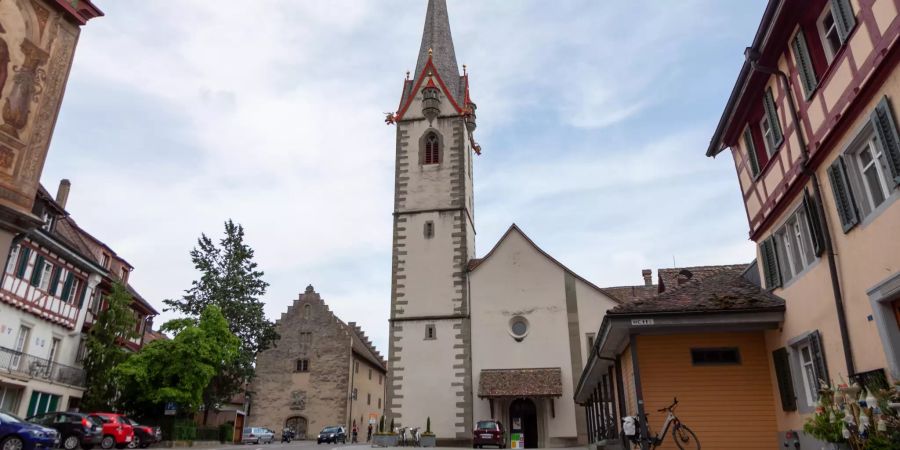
<point x="369" y="434"/>
<point x="355" y="431"/>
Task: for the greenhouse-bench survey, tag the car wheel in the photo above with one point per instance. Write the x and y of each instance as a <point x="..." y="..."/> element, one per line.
<point x="70" y="442"/>
<point x="133" y="443"/>
<point x="106" y="443"/>
<point x="12" y="443"/>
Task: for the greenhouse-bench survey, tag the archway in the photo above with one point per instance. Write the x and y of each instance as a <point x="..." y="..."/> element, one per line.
<point x="523" y="419"/>
<point x="298" y="424"/>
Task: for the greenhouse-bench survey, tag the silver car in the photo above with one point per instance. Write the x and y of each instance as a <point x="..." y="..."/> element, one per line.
<point x="257" y="435"/>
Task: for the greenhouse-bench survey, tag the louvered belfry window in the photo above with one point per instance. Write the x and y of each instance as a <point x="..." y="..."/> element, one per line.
<point x="432" y="149"/>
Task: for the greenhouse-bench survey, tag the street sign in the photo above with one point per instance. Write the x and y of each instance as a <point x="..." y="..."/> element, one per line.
<point x="641" y="322"/>
<point x="171" y="408"/>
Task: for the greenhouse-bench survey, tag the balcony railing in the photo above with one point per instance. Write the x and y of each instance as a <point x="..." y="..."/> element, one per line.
<point x="34" y="367"/>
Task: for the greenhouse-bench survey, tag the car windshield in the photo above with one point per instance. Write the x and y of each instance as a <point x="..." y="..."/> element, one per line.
<point x="487" y="425"/>
<point x="130" y="421"/>
<point x="4" y="417"/>
<point x="331" y="430"/>
<point x="101" y="419"/>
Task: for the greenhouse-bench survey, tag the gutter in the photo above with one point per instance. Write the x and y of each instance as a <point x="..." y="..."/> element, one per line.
<point x="752" y="55"/>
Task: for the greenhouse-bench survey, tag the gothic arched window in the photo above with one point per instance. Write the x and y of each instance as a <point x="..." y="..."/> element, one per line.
<point x="432" y="150"/>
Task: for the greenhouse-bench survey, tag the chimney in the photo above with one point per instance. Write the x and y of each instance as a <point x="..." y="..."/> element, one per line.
<point x="62" y="194"/>
<point x="648" y="277"/>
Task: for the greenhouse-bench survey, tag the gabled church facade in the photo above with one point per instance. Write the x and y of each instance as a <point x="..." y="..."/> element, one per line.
<point x="502" y="337"/>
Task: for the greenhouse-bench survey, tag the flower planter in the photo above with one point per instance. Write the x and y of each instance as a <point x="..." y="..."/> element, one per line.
<point x="428" y="440"/>
<point x="385" y="440"/>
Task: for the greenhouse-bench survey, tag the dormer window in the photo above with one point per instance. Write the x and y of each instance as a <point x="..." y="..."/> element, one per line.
<point x="106" y="260"/>
<point x="432" y="149"/>
<point x="124" y="275"/>
<point x="48" y="222"/>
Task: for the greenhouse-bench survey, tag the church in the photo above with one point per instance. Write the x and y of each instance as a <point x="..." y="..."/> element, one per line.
<point x="504" y="336"/>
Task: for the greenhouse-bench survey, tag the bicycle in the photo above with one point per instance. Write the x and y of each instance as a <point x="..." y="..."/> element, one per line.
<point x="684" y="438"/>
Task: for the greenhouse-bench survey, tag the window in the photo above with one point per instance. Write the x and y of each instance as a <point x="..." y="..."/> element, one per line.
<point x="106" y="260"/>
<point x="21" y="345"/>
<point x="13" y="259"/>
<point x="828" y="33"/>
<point x="715" y="356"/>
<point x="46" y="276"/>
<point x="868" y="173"/>
<point x="430" y="332"/>
<point x="370" y="374"/>
<point x="380" y="379"/>
<point x="306" y="311"/>
<point x="429" y="229"/>
<point x="518" y="327"/>
<point x="305" y="340"/>
<point x="82" y="350"/>
<point x="368" y="399"/>
<point x="590" y="341"/>
<point x="768" y="136"/>
<point x="752" y="158"/>
<point x="9" y="398"/>
<point x="809" y="374"/>
<point x="48" y="222"/>
<point x="355" y="394"/>
<point x="74" y="291"/>
<point x="793" y="247"/>
<point x="356" y="366"/>
<point x="379" y="403"/>
<point x="54" y="349"/>
<point x="38" y="272"/>
<point x="769" y="125"/>
<point x="432" y="149"/>
<point x="41" y="403"/>
<point x="124" y="275"/>
<point x="302" y="365"/>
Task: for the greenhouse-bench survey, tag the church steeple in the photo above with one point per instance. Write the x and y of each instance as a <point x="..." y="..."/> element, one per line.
<point x="437" y="42"/>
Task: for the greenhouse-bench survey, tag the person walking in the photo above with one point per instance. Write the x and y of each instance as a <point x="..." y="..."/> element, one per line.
<point x="369" y="434"/>
<point x="355" y="431"/>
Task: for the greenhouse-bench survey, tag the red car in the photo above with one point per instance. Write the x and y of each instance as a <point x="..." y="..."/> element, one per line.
<point x="117" y="432"/>
<point x="488" y="432"/>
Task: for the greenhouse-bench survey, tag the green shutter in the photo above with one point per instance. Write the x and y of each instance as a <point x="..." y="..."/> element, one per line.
<point x="785" y="382"/>
<point x="772" y="115"/>
<point x="42" y="403"/>
<point x="818" y="354"/>
<point x="67" y="287"/>
<point x="54" y="403"/>
<point x="843" y="195"/>
<point x="843" y="18"/>
<point x="815" y="225"/>
<point x="804" y="63"/>
<point x="33" y="403"/>
<point x="770" y="263"/>
<point x="751" y="152"/>
<point x="886" y="128"/>
<point x="36" y="273"/>
<point x="54" y="280"/>
<point x="23" y="262"/>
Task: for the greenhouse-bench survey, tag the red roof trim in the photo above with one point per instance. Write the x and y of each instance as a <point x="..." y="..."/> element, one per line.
<point x="418" y="85"/>
<point x="80" y="10"/>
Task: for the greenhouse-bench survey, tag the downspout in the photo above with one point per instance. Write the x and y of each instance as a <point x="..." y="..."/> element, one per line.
<point x="752" y="55"/>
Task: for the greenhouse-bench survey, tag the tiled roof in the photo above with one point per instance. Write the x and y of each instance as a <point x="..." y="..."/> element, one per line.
<point x="520" y="383"/>
<point x="718" y="289"/>
<point x="671" y="278"/>
<point x="628" y="293"/>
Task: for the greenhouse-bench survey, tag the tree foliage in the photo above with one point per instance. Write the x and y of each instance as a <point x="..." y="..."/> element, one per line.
<point x="114" y="324"/>
<point x="180" y="369"/>
<point x="231" y="280"/>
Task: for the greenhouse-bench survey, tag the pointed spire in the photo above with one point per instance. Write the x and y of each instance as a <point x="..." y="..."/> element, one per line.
<point x="437" y="43"/>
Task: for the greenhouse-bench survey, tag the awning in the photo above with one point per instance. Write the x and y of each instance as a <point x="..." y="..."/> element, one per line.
<point x="498" y="383"/>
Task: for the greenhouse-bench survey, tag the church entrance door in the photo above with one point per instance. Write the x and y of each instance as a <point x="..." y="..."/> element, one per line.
<point x="298" y="424"/>
<point x="523" y="419"/>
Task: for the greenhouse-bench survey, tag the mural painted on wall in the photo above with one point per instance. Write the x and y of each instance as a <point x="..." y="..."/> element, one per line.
<point x="36" y="46"/>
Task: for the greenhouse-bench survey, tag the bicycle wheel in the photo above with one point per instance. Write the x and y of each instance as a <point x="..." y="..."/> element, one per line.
<point x="684" y="438"/>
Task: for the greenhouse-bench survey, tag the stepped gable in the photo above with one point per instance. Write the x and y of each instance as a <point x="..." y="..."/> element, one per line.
<point x="364" y="346"/>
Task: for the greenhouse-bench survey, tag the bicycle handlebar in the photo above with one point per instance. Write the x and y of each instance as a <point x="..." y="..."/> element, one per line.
<point x="670" y="407"/>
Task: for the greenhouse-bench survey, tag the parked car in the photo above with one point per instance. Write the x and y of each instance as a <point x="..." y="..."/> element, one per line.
<point x="144" y="436"/>
<point x="75" y="429"/>
<point x="116" y="431"/>
<point x="257" y="435"/>
<point x="332" y="435"/>
<point x="17" y="434"/>
<point x="488" y="432"/>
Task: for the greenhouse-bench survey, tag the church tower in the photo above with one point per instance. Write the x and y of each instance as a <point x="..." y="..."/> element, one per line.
<point x="430" y="370"/>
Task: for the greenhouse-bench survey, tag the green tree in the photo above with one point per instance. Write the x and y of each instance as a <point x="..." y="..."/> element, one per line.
<point x="231" y="280"/>
<point x="180" y="369"/>
<point x="114" y="324"/>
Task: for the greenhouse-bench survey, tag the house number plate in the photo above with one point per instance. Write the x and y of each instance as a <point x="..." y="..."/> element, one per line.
<point x="641" y="322"/>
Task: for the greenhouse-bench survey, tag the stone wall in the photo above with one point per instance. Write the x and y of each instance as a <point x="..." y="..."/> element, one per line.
<point x="279" y="391"/>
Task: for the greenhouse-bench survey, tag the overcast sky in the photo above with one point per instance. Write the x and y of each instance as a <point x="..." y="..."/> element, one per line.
<point x="594" y="118"/>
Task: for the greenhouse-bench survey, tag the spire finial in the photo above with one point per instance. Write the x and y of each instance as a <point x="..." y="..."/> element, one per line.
<point x="465" y="71"/>
<point x="407" y="75"/>
<point x="430" y="51"/>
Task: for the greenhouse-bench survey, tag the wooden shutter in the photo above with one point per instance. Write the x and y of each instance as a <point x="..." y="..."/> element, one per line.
<point x="36" y="273"/>
<point x="785" y="382"/>
<point x="751" y="152"/>
<point x="843" y="195"/>
<point x="23" y="262"/>
<point x="804" y="63"/>
<point x="815" y="225"/>
<point x="772" y="115"/>
<point x="54" y="280"/>
<point x="818" y="354"/>
<point x="770" y="263"/>
<point x="843" y="18"/>
<point x="81" y="296"/>
<point x="886" y="129"/>
<point x="67" y="287"/>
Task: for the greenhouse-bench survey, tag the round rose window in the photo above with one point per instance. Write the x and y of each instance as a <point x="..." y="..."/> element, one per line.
<point x="518" y="327"/>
